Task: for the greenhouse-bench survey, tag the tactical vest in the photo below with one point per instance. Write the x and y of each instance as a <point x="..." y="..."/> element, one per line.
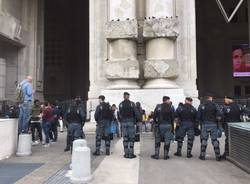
<point x="127" y="109"/>
<point x="166" y="113"/>
<point x="187" y="113"/>
<point x="209" y="112"/>
<point x="232" y="113"/>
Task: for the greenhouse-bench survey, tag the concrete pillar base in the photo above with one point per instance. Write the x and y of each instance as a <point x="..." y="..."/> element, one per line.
<point x="124" y="84"/>
<point x="24" y="145"/>
<point x="160" y="84"/>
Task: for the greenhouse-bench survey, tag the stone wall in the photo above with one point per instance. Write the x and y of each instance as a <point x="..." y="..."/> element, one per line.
<point x="18" y="41"/>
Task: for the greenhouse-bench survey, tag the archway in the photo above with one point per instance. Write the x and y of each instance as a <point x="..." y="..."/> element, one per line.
<point x="66" y="49"/>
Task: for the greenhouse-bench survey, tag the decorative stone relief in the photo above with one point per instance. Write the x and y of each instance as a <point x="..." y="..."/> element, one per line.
<point x="122" y="69"/>
<point x="154" y="69"/>
<point x="10" y="26"/>
<point x="121" y="30"/>
<point x="162" y="27"/>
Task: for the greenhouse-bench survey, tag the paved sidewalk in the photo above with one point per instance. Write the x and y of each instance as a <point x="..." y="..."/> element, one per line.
<point x="51" y="165"/>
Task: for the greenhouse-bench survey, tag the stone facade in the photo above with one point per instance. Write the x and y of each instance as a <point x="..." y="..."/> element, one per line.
<point x="145" y="46"/>
<point x="165" y="31"/>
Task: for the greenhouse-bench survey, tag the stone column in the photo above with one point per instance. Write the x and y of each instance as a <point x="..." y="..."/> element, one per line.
<point x="122" y="66"/>
<point x="2" y="78"/>
<point x="160" y="34"/>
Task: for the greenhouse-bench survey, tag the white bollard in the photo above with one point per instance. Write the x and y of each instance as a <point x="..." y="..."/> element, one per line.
<point x="78" y="143"/>
<point x="81" y="165"/>
<point x="24" y="145"/>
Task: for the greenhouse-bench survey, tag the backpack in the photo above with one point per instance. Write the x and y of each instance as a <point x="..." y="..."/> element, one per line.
<point x="19" y="93"/>
<point x="106" y="112"/>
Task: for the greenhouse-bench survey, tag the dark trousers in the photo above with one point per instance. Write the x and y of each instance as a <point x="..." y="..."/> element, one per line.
<point x="212" y="130"/>
<point x="74" y="132"/>
<point x="46" y="128"/>
<point x="36" y="126"/>
<point x="54" y="132"/>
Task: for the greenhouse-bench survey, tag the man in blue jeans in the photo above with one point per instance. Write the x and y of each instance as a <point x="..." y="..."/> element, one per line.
<point x="26" y="105"/>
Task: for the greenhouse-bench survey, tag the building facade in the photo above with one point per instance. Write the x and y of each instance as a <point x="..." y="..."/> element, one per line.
<point x="146" y="47"/>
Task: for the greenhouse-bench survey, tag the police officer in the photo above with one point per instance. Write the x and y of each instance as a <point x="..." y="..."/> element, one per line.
<point x="163" y="117"/>
<point x="129" y="116"/>
<point x="208" y="114"/>
<point x="103" y="118"/>
<point x="232" y="112"/>
<point x="186" y="118"/>
<point x="75" y="117"/>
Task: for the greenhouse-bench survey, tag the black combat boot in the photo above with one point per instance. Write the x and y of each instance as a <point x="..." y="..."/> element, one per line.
<point x="179" y="147"/>
<point x="218" y="158"/>
<point x="131" y="150"/>
<point x="166" y="150"/>
<point x="189" y="155"/>
<point x="107" y="151"/>
<point x="202" y="157"/>
<point x="157" y="151"/>
<point x="125" y="145"/>
<point x="97" y="153"/>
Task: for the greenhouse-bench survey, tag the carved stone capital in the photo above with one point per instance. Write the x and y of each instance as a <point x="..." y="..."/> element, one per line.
<point x="122" y="30"/>
<point x="160" y="28"/>
<point x="154" y="69"/>
<point x="122" y="69"/>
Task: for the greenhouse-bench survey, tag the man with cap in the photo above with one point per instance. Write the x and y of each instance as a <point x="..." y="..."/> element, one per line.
<point x="129" y="116"/>
<point x="208" y="115"/>
<point x="232" y="112"/>
<point x="163" y="117"/>
<point x="103" y="118"/>
<point x="186" y="120"/>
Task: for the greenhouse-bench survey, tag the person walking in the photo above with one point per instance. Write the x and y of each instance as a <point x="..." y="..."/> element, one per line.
<point x="47" y="119"/>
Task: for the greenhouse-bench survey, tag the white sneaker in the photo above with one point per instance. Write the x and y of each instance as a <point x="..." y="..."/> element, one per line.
<point x="33" y="143"/>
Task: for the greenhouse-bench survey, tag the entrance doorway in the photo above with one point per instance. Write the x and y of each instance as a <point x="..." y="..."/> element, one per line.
<point x="216" y="41"/>
<point x="66" y="49"/>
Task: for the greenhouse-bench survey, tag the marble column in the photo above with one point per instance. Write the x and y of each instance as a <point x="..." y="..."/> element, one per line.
<point x="160" y="33"/>
<point x="122" y="66"/>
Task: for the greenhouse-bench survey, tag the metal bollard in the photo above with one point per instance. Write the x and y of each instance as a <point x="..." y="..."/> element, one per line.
<point x="24" y="145"/>
<point x="81" y="165"/>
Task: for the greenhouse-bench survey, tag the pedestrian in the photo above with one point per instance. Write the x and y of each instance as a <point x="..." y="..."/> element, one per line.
<point x="115" y="120"/>
<point x="129" y="117"/>
<point x="24" y="96"/>
<point x="75" y="117"/>
<point x="47" y="119"/>
<point x="35" y="122"/>
<point x="208" y="115"/>
<point x="103" y="118"/>
<point x="164" y="117"/>
<point x="55" y="123"/>
<point x="232" y="112"/>
<point x="186" y="121"/>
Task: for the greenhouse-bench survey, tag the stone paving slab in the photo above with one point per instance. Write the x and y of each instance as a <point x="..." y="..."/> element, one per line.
<point x="12" y="172"/>
<point x="181" y="170"/>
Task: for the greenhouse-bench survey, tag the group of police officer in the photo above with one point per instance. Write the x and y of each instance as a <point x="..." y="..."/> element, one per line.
<point x="204" y="122"/>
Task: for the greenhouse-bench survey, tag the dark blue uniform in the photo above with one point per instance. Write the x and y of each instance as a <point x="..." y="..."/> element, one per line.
<point x="208" y="114"/>
<point x="186" y="115"/>
<point x="75" y="117"/>
<point x="128" y="117"/>
<point x="232" y="112"/>
<point x="163" y="118"/>
<point x="103" y="117"/>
